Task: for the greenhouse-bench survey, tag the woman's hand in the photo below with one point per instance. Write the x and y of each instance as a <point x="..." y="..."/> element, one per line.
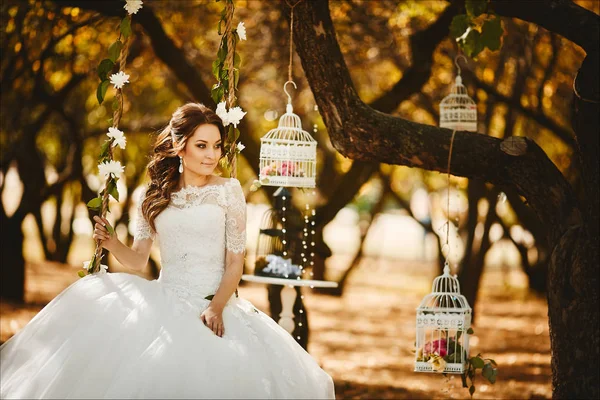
<point x="101" y="233"/>
<point x="213" y="319"/>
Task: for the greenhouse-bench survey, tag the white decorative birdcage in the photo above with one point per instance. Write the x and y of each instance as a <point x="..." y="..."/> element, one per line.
<point x="443" y="322"/>
<point x="457" y="110"/>
<point x="288" y="154"/>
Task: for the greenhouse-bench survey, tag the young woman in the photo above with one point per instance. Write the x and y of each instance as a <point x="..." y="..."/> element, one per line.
<point x="185" y="335"/>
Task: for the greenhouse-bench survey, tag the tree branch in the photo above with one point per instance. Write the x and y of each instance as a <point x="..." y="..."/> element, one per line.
<point x="564" y="17"/>
<point x="361" y="133"/>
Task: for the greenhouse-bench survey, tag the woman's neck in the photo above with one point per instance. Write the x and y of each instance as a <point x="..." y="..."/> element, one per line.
<point x="194" y="180"/>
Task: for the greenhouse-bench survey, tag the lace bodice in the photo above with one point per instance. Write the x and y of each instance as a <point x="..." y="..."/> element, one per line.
<point x="196" y="232"/>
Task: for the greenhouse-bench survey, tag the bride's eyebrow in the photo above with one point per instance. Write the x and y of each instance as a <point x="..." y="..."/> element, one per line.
<point x="204" y="141"/>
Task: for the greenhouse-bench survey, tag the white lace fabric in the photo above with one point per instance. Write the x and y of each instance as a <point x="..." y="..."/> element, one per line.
<point x="196" y="232"/>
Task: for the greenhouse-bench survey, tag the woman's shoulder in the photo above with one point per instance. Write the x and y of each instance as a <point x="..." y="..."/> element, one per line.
<point x="221" y="181"/>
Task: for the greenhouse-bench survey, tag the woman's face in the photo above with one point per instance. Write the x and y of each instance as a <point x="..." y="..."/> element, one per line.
<point x="202" y="150"/>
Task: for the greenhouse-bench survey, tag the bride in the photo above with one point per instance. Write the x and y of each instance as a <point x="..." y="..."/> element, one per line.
<point x="184" y="335"/>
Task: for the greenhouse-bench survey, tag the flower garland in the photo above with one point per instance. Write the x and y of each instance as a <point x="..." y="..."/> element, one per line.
<point x="108" y="168"/>
<point x="226" y="69"/>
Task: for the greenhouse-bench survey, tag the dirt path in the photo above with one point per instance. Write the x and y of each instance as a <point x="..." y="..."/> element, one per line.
<point x="364" y="339"/>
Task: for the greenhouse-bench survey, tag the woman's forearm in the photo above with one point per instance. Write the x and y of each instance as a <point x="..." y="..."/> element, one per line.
<point x="230" y="281"/>
<point x="128" y="257"/>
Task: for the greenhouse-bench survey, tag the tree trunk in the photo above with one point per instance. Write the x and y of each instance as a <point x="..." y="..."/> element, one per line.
<point x="470" y="276"/>
<point x="573" y="297"/>
<point x="12" y="266"/>
<point x="573" y="314"/>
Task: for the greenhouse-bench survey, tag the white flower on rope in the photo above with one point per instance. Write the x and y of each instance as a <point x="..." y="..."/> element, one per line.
<point x="240" y="147"/>
<point x="118" y="137"/>
<point x="233" y="116"/>
<point x="119" y="79"/>
<point x="133" y="6"/>
<point x="111" y="167"/>
<point x="241" y="31"/>
<point x="102" y="270"/>
<point x="221" y="111"/>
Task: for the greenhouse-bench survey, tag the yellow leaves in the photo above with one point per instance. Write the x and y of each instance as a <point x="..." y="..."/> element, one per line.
<point x="488" y="75"/>
<point x="10" y="26"/>
<point x="59" y="78"/>
<point x="17" y="47"/>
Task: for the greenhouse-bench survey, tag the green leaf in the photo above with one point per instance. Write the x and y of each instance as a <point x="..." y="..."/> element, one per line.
<point x="237" y="60"/>
<point x="81" y="274"/>
<point x="114" y="51"/>
<point x="473" y="44"/>
<point x="112" y="189"/>
<point x="477" y="362"/>
<point x="472" y="390"/>
<point x="470" y="331"/>
<point x="459" y="25"/>
<point x="492" y="362"/>
<point x="475" y="7"/>
<point x="463" y="378"/>
<point x="222" y="54"/>
<point x="104" y="150"/>
<point x="216" y="67"/>
<point x="491" y="33"/>
<point x="210" y="297"/>
<point x="101" y="91"/>
<point x="110" y="230"/>
<point x="231" y="134"/>
<point x="95" y="203"/>
<point x="217" y="93"/>
<point x="487" y="371"/>
<point x="236" y="78"/>
<point x="126" y="27"/>
<point x="104" y="68"/>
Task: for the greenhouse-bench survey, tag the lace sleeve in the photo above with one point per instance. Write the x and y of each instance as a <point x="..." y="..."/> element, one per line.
<point x="235" y="224"/>
<point x="142" y="228"/>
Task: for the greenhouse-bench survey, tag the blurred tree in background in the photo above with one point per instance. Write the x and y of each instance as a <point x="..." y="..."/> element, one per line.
<point x="400" y="59"/>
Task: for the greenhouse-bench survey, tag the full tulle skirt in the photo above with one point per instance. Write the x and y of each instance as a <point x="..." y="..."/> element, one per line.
<point x="118" y="335"/>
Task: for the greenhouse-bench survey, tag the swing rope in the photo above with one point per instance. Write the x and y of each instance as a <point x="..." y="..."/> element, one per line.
<point x="229" y="63"/>
<point x="117" y="114"/>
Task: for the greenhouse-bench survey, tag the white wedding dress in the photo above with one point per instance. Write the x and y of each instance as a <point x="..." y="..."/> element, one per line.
<point x="117" y="335"/>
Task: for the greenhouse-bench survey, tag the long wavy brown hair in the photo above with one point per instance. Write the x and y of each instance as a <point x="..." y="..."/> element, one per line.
<point x="163" y="169"/>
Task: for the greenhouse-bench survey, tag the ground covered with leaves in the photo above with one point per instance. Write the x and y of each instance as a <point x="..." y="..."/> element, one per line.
<point x="364" y="339"/>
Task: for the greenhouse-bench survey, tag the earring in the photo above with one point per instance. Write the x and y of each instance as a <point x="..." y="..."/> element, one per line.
<point x="181" y="165"/>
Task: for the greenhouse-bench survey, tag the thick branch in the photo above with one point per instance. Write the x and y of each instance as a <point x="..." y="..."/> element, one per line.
<point x="563" y="17"/>
<point x="361" y="133"/>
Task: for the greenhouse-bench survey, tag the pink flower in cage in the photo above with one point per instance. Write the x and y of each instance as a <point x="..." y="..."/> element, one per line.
<point x="287" y="169"/>
<point x="266" y="171"/>
<point x="439" y="347"/>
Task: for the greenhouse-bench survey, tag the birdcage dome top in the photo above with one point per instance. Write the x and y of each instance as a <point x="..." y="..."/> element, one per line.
<point x="289" y="129"/>
<point x="458" y="95"/>
<point x="445" y="295"/>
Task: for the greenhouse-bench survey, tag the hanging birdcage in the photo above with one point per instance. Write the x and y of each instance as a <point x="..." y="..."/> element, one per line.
<point x="457" y="110"/>
<point x="288" y="154"/>
<point x="443" y="322"/>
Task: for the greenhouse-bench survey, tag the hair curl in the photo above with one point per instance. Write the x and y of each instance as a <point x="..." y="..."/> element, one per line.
<point x="163" y="169"/>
